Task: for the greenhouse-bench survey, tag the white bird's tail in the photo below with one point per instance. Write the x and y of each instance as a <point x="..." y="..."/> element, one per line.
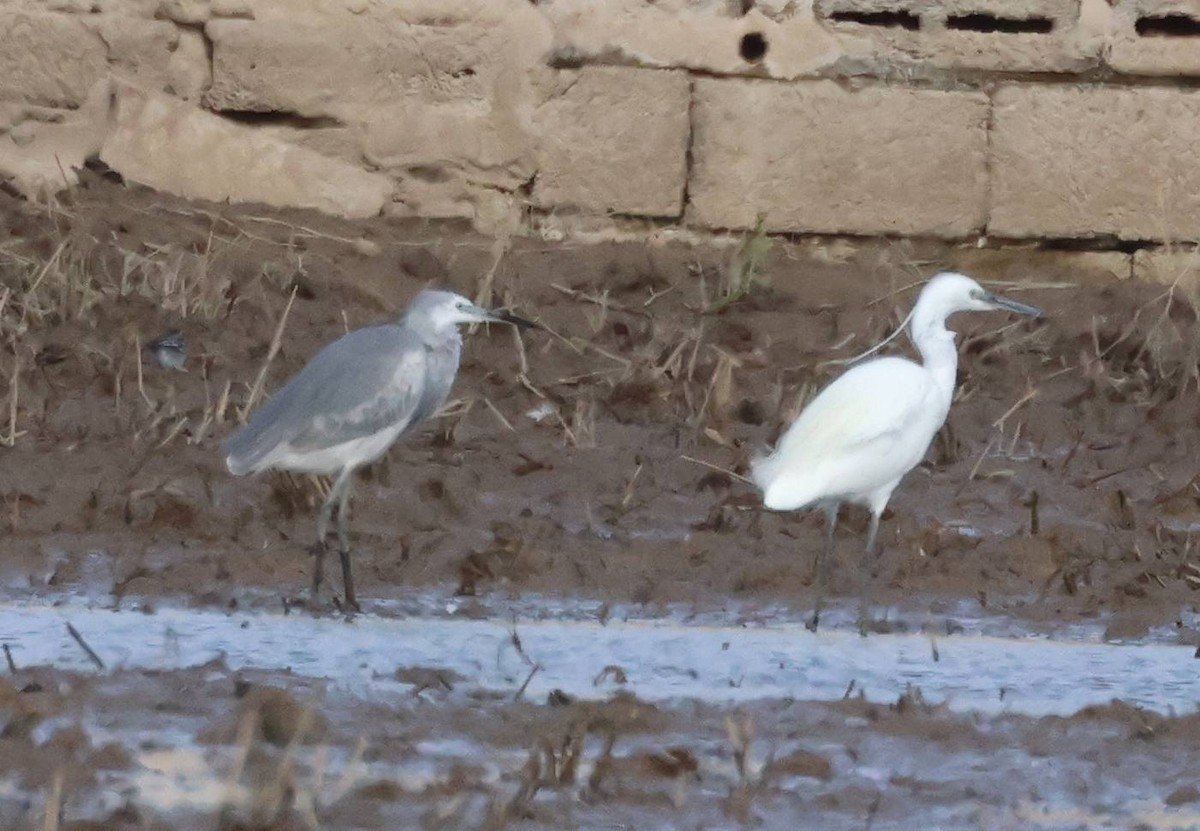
<point x="763" y="468"/>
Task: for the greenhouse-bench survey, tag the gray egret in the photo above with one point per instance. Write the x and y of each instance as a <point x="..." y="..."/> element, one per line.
<point x="347" y="406"/>
<point x="862" y="433"/>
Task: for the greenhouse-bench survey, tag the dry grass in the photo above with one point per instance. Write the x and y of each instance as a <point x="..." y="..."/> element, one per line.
<point x="747" y="268"/>
<point x="89" y="291"/>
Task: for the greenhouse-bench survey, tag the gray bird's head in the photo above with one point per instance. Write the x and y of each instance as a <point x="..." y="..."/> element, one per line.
<point x="436" y="311"/>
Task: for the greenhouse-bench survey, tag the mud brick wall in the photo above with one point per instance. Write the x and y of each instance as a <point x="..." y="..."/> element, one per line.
<point x="1010" y="120"/>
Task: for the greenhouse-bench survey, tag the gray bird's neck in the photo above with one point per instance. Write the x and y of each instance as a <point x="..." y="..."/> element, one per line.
<point x="435" y="337"/>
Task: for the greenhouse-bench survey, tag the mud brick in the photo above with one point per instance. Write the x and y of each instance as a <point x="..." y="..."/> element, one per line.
<point x="816" y="157"/>
<point x="1155" y="37"/>
<point x="615" y="141"/>
<point x="1070" y="162"/>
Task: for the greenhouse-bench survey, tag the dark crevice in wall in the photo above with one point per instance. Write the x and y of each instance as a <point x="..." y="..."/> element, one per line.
<point x="1101" y="242"/>
<point x="280" y="118"/>
<point x="856" y="74"/>
<point x="568" y="58"/>
<point x="991" y="24"/>
<point x="1168" y="25"/>
<point x="525" y="189"/>
<point x="430" y="174"/>
<point x="689" y="153"/>
<point x="883" y="20"/>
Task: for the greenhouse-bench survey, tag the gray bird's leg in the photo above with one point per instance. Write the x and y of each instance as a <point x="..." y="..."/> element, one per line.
<point x="343" y="531"/>
<point x="318" y="549"/>
<point x="868" y="565"/>
<point x="821" y="566"/>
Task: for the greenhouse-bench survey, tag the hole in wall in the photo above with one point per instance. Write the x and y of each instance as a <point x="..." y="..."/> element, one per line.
<point x="990" y="23"/>
<point x="744" y="6"/>
<point x="753" y="47"/>
<point x="427" y="173"/>
<point x="1168" y="26"/>
<point x="1102" y="242"/>
<point x="884" y="20"/>
<point x="280" y="118"/>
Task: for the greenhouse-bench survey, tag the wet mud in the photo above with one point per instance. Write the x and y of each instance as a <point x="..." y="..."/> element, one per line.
<point x="209" y="747"/>
<point x="596" y="463"/>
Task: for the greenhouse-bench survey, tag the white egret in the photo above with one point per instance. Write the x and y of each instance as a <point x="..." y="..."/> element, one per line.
<point x="860" y="435"/>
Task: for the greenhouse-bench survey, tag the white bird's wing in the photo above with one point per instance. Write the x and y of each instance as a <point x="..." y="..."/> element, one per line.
<point x="864" y="417"/>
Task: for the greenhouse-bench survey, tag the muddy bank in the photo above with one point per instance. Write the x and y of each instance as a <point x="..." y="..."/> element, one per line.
<point x="210" y="747"/>
<point x="1062" y="491"/>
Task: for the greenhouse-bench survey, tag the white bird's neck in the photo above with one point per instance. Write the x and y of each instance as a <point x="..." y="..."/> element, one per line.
<point x="935" y="342"/>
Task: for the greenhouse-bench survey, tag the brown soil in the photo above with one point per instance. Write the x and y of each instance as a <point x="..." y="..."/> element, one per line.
<point x="1062" y="492"/>
<point x="1080" y="499"/>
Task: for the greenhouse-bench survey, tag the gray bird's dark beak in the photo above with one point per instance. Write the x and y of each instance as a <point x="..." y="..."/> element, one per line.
<point x="1013" y="306"/>
<point x="502" y="316"/>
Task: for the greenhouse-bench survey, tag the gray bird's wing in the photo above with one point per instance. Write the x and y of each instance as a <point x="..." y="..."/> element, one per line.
<point x="363" y="382"/>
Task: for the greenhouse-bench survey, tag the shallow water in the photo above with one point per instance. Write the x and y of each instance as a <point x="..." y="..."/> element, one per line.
<point x="661" y="660"/>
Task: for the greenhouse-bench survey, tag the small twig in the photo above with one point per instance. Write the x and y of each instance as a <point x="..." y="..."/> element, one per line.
<point x="277" y="790"/>
<point x="46" y="268"/>
<point x="873" y="810"/>
<point x="654" y="295"/>
<point x="12" y="665"/>
<point x="975" y="467"/>
<point x="350" y="772"/>
<point x="628" y="497"/>
<point x="717" y="468"/>
<point x="54" y="801"/>
<point x="534" y="670"/>
<point x="516" y="333"/>
<point x="484" y="293"/>
<point x="222" y="403"/>
<point x="895" y="333"/>
<point x="91" y="653"/>
<point x="602" y="301"/>
<point x="894" y="292"/>
<point x="247" y="727"/>
<point x="174" y="431"/>
<point x="276" y="341"/>
<point x="499" y="415"/>
<point x="266" y="220"/>
<point x="1029" y="395"/>
<point x="515" y="640"/>
<point x="14" y="394"/>
<point x="137" y="346"/>
<point x="1011" y="286"/>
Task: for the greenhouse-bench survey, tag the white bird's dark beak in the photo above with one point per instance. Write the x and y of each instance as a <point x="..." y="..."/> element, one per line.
<point x="1012" y="305"/>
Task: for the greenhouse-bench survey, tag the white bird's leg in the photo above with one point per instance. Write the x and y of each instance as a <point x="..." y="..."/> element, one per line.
<point x="821" y="571"/>
<point x="868" y="565"/>
<point x="343" y="531"/>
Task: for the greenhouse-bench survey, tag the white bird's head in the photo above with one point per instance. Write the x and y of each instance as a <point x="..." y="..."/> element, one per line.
<point x="950" y="292"/>
<point x="434" y="311"/>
